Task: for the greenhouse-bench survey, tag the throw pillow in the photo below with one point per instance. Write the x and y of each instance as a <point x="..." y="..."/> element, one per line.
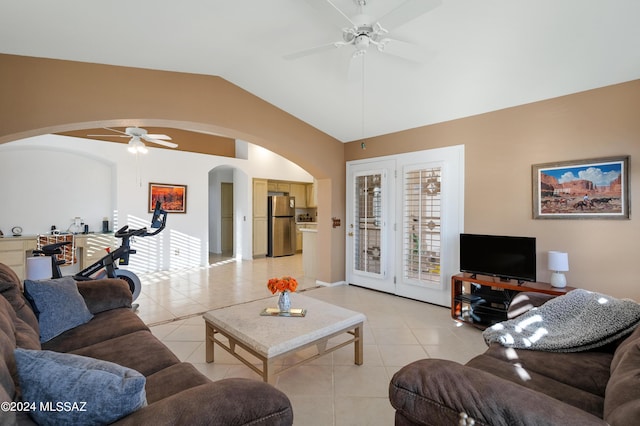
<point x="68" y="389"/>
<point x="57" y="304"/>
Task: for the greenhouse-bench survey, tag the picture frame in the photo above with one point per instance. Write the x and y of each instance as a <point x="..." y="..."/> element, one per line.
<point x="595" y="188"/>
<point x="173" y="197"/>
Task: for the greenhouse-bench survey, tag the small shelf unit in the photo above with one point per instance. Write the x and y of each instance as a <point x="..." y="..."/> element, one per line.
<point x="482" y="300"/>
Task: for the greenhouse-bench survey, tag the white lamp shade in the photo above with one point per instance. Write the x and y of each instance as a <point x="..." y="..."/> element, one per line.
<point x="558" y="261"/>
<point x="38" y="268"/>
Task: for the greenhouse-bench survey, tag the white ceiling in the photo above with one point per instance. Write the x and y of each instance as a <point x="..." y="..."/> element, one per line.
<point x="483" y="55"/>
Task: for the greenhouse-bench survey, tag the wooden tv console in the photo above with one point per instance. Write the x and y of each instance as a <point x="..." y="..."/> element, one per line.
<point x="482" y="300"/>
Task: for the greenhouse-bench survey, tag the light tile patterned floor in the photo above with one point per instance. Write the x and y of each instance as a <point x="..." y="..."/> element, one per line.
<point x="330" y="390"/>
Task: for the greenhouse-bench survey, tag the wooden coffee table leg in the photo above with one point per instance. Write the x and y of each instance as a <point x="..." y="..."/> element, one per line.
<point x="208" y="342"/>
<point x="358" y="345"/>
<point x="268" y="370"/>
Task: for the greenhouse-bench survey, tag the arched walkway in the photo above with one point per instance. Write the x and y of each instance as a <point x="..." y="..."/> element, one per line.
<point x="43" y="96"/>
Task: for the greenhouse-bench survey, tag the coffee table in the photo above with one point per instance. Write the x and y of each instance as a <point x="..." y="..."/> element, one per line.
<point x="271" y="338"/>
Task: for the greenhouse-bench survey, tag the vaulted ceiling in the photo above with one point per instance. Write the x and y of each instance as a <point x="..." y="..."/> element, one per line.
<point x="474" y="56"/>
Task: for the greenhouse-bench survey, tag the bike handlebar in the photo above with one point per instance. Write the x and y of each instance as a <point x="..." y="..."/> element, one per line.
<point x="122" y="232"/>
<point x="159" y="216"/>
<point x="142" y="232"/>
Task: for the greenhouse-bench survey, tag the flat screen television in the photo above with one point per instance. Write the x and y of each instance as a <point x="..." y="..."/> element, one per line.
<point x="500" y="256"/>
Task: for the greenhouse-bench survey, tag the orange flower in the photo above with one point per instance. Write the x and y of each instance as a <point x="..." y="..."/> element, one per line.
<point x="282" y="284"/>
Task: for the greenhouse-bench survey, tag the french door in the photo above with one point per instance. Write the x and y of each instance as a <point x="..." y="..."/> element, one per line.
<point x="371" y="213"/>
<point x="404" y="216"/>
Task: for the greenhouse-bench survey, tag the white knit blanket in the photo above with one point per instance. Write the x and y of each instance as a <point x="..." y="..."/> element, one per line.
<point x="577" y="321"/>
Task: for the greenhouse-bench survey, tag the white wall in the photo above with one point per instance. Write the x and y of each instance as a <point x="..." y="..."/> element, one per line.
<point x="51" y="179"/>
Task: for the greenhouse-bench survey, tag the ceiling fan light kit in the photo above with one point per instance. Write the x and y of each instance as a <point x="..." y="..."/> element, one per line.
<point x="136" y="146"/>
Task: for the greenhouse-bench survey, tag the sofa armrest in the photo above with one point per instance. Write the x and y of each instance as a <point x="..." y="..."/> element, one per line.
<point x="231" y="402"/>
<point x="105" y="294"/>
<point x="434" y="391"/>
<point x="525" y="301"/>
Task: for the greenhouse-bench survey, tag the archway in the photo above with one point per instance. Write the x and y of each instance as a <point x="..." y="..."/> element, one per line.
<point x="43" y="96"/>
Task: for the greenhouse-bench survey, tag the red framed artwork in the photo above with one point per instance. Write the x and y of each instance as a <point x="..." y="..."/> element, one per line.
<point x="173" y="198"/>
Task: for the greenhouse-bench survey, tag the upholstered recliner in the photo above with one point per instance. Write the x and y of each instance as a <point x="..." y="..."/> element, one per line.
<point x="506" y="386"/>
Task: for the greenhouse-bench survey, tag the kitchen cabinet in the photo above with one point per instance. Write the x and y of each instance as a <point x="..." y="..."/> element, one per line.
<point x="260" y="191"/>
<point x="283" y="187"/>
<point x="312" y="195"/>
<point x="299" y="191"/>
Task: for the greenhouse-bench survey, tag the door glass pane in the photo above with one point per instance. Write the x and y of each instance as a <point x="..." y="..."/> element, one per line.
<point x="422" y="225"/>
<point x="368" y="214"/>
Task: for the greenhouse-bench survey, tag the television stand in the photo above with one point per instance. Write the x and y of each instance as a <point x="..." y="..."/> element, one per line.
<point x="482" y="300"/>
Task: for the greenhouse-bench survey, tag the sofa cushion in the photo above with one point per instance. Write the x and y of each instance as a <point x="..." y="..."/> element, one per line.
<point x="622" y="397"/>
<point x="437" y="392"/>
<point x="548" y="385"/>
<point x="105" y="294"/>
<point x="228" y="402"/>
<point x="588" y="371"/>
<point x="90" y="391"/>
<point x="141" y="351"/>
<point x="57" y="304"/>
<point x="104" y="326"/>
<point x="172" y="380"/>
<point x="8" y="374"/>
<point x="10" y="289"/>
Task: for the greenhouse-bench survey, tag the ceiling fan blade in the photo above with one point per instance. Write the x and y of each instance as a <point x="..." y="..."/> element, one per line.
<point x="120" y="135"/>
<point x="116" y="131"/>
<point x="160" y="142"/>
<point x="159" y="136"/>
<point x="317" y="49"/>
<point x="406" y="12"/>
<point x="405" y="50"/>
<point x="331" y="13"/>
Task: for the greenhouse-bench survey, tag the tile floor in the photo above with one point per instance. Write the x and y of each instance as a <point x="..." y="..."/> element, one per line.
<point x="330" y="390"/>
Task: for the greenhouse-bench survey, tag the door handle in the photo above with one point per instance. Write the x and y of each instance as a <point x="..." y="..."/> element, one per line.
<point x="350" y="234"/>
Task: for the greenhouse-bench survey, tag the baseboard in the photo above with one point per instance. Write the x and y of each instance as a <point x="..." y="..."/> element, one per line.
<point x="324" y="284"/>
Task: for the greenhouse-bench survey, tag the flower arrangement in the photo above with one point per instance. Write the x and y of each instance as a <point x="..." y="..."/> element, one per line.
<point x="282" y="284"/>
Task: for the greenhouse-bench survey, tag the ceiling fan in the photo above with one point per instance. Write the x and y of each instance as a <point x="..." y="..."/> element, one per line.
<point x="138" y="134"/>
<point x="363" y="31"/>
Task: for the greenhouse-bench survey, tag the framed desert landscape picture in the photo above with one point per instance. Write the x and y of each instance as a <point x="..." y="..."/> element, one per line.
<point x="173" y="198"/>
<point x="582" y="189"/>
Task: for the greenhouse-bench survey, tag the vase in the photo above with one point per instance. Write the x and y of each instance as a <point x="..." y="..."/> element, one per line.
<point x="284" y="302"/>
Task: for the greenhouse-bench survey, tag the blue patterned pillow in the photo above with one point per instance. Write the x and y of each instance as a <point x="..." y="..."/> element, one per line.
<point x="68" y="389"/>
<point x="57" y="304"/>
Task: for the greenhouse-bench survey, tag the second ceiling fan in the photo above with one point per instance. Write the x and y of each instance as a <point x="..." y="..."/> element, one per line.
<point x="137" y="135"/>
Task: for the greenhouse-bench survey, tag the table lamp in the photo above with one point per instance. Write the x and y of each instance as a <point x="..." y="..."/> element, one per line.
<point x="558" y="263"/>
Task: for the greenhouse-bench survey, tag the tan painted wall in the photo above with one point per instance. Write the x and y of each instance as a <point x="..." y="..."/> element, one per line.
<point x="500" y="148"/>
<point x="41" y="96"/>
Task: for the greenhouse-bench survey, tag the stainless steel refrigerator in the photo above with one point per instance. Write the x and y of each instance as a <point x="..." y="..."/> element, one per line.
<point x="281" y="240"/>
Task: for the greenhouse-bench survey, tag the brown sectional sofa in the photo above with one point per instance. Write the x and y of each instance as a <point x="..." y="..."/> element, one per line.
<point x="176" y="392"/>
<point x="524" y="387"/>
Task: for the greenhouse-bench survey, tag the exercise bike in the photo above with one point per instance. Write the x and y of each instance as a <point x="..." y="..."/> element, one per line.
<point x="107" y="266"/>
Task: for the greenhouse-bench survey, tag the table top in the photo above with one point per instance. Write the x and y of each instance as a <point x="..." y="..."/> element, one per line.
<point x="274" y="335"/>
